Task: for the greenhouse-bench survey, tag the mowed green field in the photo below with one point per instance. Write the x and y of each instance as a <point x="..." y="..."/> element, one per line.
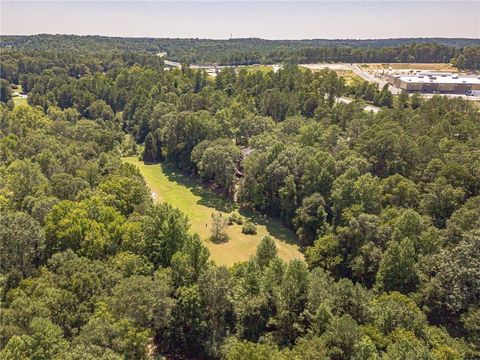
<point x="199" y="203"/>
<point x="17" y="100"/>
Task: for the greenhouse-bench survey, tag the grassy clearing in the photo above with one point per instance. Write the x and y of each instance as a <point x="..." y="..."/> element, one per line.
<point x="412" y="66"/>
<point x="341" y="70"/>
<point x="17" y="100"/>
<point x="350" y="77"/>
<point x="199" y="203"/>
<point x="261" y="68"/>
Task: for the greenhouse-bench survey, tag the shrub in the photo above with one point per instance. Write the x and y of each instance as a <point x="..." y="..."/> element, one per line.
<point x="235" y="219"/>
<point x="249" y="228"/>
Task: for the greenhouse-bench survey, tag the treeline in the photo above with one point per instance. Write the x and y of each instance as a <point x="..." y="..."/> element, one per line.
<point x="463" y="53"/>
<point x="92" y="269"/>
<point x="92" y="43"/>
<point x="385" y="206"/>
<point x="18" y="66"/>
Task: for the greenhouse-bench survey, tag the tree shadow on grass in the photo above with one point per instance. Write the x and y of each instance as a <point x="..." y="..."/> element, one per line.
<point x="221" y="202"/>
<point x="274" y="226"/>
<point x="207" y="196"/>
<point x="218" y="241"/>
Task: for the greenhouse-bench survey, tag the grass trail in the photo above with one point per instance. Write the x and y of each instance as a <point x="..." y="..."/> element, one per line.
<point x="198" y="203"/>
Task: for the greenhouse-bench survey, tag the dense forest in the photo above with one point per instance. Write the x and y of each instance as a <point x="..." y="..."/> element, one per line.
<point x="464" y="53"/>
<point x="385" y="207"/>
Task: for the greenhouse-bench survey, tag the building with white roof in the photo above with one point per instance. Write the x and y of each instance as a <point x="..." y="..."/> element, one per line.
<point x="442" y="83"/>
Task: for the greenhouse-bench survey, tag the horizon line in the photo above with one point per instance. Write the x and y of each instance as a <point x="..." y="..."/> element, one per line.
<point x="248" y="37"/>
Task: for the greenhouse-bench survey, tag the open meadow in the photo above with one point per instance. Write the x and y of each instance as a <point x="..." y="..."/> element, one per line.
<point x="199" y="203"/>
<point x="18" y="97"/>
<point x="411" y="66"/>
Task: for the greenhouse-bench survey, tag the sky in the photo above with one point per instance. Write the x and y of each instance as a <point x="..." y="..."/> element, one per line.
<point x="224" y="19"/>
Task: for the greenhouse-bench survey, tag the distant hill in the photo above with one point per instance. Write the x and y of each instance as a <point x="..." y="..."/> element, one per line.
<point x="462" y="52"/>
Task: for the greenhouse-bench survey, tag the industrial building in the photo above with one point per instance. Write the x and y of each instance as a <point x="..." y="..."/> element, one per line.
<point x="441" y="83"/>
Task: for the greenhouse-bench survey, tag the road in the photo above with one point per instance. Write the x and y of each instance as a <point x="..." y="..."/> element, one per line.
<point x="357" y="69"/>
<point x="276" y="67"/>
<point x="212" y="69"/>
<point x="345" y="100"/>
<point x="172" y="63"/>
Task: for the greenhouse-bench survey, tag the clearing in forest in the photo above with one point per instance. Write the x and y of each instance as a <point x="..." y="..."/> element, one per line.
<point x="18" y="97"/>
<point x="199" y="203"/>
<point x="411" y="66"/>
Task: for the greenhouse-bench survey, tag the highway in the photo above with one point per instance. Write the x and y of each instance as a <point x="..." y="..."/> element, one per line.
<point x="370" y="78"/>
<point x="356" y="68"/>
<point x="276" y="67"/>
